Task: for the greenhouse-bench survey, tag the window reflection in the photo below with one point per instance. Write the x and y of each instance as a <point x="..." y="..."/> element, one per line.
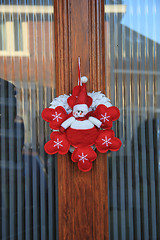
<point x="132" y="77"/>
<point x="27" y="86"/>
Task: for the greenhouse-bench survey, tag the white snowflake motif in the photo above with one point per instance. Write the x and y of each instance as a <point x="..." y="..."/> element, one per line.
<point x="105" y="117"/>
<point x="57" y="116"/>
<point x="83" y="157"/>
<point x="106" y="141"/>
<point x="58" y="143"/>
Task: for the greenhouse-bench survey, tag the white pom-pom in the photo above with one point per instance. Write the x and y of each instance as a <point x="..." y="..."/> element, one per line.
<point x="84" y="79"/>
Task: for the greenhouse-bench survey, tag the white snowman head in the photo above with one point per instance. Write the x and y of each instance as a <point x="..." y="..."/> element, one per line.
<point x="80" y="110"/>
<point x="80" y="101"/>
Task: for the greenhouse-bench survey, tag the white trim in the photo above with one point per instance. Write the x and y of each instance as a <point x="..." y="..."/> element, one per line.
<point x="14" y="54"/>
<point x="117" y="8"/>
<point x="25" y="37"/>
<point x="10" y="43"/>
<point x="26" y="9"/>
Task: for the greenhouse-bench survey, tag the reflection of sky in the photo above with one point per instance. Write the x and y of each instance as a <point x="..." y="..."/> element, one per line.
<point x="143" y="16"/>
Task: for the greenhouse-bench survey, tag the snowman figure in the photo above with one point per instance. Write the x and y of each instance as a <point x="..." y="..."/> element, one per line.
<point x="81" y="125"/>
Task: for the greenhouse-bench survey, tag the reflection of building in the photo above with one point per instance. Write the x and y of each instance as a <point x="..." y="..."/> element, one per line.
<point x="27" y="41"/>
<point x="15" y="167"/>
<point x="27" y="58"/>
<point x="133" y="71"/>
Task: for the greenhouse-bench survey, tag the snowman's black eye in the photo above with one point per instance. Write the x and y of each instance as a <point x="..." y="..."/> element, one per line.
<point x="81" y="111"/>
<point x="78" y="111"/>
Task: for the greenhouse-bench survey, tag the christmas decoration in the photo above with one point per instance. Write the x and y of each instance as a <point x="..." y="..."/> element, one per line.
<point x="81" y="123"/>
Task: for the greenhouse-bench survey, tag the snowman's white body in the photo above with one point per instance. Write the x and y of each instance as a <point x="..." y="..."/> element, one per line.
<point x="85" y="124"/>
<point x="73" y="123"/>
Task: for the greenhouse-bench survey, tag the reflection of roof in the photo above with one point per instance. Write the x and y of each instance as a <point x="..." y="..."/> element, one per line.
<point x="30" y="2"/>
<point x="143" y="17"/>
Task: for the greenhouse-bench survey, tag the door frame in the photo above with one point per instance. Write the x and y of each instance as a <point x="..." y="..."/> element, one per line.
<point x="82" y="197"/>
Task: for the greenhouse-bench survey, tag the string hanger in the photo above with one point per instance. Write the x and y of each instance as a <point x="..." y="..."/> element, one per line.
<point x="79" y="73"/>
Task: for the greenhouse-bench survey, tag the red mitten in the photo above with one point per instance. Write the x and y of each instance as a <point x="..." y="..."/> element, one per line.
<point x="106" y="115"/>
<point x="54" y="116"/>
<point x="84" y="156"/>
<point x="58" y="143"/>
<point x="106" y="141"/>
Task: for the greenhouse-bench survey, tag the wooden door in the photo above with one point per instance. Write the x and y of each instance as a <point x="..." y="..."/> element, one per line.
<point x="82" y="197"/>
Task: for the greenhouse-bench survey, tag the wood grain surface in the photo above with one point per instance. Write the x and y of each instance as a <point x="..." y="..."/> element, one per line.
<point x="82" y="197"/>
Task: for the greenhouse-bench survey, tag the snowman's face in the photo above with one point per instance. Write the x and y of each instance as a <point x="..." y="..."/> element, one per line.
<point x="79" y="112"/>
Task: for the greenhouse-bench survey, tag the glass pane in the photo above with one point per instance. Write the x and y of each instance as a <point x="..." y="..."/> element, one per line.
<point x="132" y="50"/>
<point x="27" y="86"/>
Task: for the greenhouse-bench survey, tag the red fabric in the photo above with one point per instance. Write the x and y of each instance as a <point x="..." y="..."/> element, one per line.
<point x="54" y="116"/>
<point x="82" y="97"/>
<point x="103" y="125"/>
<point x="106" y="141"/>
<point x="79" y="72"/>
<point x="62" y="129"/>
<point x="58" y="143"/>
<point x="106" y="115"/>
<point x="47" y="114"/>
<point x="80" y="118"/>
<point x="84" y="157"/>
<point x="79" y="96"/>
<point x="82" y="137"/>
<point x="76" y="90"/>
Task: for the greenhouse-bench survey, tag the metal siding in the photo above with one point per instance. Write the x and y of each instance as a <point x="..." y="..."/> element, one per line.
<point x="132" y="80"/>
<point x="28" y="176"/>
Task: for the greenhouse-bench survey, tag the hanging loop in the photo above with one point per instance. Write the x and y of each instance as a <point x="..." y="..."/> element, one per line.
<point x="79" y="73"/>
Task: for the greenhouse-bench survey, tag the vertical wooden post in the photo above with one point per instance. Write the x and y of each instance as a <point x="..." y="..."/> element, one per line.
<point x="82" y="197"/>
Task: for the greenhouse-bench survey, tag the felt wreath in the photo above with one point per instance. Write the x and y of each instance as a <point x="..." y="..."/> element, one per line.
<point x="81" y="122"/>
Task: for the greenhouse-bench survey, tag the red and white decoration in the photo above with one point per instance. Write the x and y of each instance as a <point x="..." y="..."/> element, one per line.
<point x="81" y="122"/>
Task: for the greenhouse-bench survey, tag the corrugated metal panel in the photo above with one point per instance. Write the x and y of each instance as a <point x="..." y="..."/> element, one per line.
<point x="132" y="79"/>
<point x="27" y="86"/>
